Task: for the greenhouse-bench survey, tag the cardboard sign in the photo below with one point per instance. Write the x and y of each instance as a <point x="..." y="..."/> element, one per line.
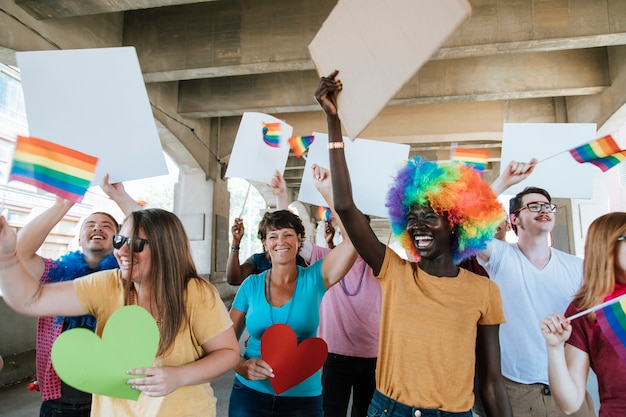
<point x="94" y="101"/>
<point x="372" y="165"/>
<point x="377" y="46"/>
<point x="292" y="362"/>
<point x="253" y="157"/>
<point x="557" y="171"/>
<point x="86" y="362"/>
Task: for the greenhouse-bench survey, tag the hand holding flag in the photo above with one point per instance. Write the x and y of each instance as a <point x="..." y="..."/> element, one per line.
<point x="611" y="316"/>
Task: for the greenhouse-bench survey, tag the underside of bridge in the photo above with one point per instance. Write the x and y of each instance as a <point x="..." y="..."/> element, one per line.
<point x="207" y="62"/>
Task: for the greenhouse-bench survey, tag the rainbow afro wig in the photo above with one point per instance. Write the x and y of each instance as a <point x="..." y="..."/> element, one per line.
<point x="452" y="190"/>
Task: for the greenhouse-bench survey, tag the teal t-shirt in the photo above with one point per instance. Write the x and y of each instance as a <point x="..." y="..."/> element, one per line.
<point x="301" y="313"/>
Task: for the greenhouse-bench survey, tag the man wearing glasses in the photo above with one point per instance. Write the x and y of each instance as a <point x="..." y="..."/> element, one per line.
<point x="534" y="279"/>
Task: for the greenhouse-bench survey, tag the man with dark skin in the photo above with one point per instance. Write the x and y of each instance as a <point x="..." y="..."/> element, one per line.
<point x="403" y="361"/>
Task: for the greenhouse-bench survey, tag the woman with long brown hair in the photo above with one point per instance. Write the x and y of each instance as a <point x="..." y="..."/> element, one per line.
<point x="576" y="345"/>
<point x="197" y="342"/>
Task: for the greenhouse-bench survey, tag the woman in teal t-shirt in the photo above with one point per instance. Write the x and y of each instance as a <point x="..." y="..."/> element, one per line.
<point x="287" y="294"/>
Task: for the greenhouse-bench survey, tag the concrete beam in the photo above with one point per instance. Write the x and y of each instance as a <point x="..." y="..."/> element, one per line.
<point x="533" y="75"/>
<point x="55" y="9"/>
<point x="607" y="109"/>
<point x="233" y="38"/>
<point x="19" y="31"/>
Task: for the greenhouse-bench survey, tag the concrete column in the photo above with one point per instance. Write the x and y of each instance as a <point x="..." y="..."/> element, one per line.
<point x="193" y="203"/>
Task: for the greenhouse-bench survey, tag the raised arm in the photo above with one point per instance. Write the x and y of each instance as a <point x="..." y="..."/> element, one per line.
<point x="568" y="367"/>
<point x="117" y="193"/>
<point x="341" y="258"/>
<point x="355" y="223"/>
<point x="329" y="234"/>
<point x="33" y="235"/>
<point x="279" y="188"/>
<point x="514" y="173"/>
<point x="23" y="293"/>
<point x="236" y="272"/>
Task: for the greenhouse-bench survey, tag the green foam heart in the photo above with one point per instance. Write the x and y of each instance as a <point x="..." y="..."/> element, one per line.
<point x="86" y="362"/>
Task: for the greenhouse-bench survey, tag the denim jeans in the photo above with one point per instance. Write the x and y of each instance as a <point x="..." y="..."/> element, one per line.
<point x="56" y="408"/>
<point x="343" y="375"/>
<point x="246" y="402"/>
<point x="384" y="406"/>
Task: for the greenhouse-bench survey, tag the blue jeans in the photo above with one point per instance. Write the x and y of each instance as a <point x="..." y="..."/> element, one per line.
<point x="384" y="406"/>
<point x="246" y="402"/>
<point x="343" y="375"/>
<point x="56" y="408"/>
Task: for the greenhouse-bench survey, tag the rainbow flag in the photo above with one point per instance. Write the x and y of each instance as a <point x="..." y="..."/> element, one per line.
<point x="271" y="134"/>
<point x="475" y="158"/>
<point x="299" y="144"/>
<point x="324" y="213"/>
<point x="604" y="153"/>
<point x="53" y="168"/>
<point x="612" y="321"/>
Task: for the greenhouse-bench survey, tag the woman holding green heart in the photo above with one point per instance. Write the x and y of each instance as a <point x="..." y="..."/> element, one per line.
<point x="197" y="341"/>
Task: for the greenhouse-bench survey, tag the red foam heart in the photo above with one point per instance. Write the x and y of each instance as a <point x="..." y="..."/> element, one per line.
<point x="292" y="362"/>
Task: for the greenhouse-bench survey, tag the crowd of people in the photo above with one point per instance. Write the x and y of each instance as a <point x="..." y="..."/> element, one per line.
<point x="466" y="324"/>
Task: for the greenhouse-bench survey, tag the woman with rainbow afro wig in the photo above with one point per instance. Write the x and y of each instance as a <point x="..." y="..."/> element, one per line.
<point x="454" y="191"/>
<point x="439" y="323"/>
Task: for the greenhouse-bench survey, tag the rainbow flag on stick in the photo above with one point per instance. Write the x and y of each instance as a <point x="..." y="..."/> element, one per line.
<point x="604" y="153"/>
<point x="475" y="158"/>
<point x="271" y="134"/>
<point x="611" y="316"/>
<point x="54" y="168"/>
<point x="300" y="144"/>
<point x="612" y="321"/>
<point x="324" y="213"/>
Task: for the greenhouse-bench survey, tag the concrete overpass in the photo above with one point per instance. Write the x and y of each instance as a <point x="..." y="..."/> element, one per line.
<point x="207" y="62"/>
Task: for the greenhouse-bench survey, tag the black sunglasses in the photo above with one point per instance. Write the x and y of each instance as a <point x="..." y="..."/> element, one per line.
<point x="137" y="242"/>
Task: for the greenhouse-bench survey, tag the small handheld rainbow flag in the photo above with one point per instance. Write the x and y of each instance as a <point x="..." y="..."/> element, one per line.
<point x="271" y="134"/>
<point x="611" y="316"/>
<point x="324" y="213"/>
<point x="604" y="153"/>
<point x="612" y="321"/>
<point x="475" y="158"/>
<point x="54" y="168"/>
<point x="299" y="144"/>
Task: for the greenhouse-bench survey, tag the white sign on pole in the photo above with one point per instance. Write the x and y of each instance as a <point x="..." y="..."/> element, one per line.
<point x="559" y="174"/>
<point x="372" y="165"/>
<point x="252" y="158"/>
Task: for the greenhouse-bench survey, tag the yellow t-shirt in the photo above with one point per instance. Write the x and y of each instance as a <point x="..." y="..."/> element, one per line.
<point x="102" y="293"/>
<point x="427" y="347"/>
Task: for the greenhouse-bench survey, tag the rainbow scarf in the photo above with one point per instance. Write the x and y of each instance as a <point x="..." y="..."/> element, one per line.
<point x="604" y="153"/>
<point x="62" y="171"/>
<point x="271" y="134"/>
<point x="71" y="266"/>
<point x="300" y="144"/>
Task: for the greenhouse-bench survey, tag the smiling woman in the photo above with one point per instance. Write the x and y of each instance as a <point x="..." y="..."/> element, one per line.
<point x="441" y="214"/>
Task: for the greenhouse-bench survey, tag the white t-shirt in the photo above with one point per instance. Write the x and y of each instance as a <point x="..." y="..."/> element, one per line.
<point x="528" y="295"/>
